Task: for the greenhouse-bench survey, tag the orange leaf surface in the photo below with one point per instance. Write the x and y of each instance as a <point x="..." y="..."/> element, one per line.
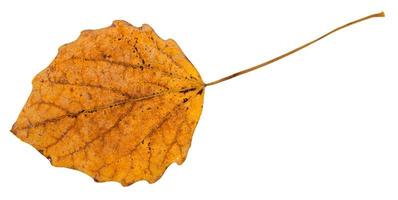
<point x="119" y="104"/>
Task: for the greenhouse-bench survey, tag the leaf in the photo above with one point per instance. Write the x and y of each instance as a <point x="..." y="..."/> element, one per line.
<point x="119" y="104"/>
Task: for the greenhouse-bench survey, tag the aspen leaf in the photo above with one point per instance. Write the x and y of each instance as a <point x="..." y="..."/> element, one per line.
<point x="119" y="104"/>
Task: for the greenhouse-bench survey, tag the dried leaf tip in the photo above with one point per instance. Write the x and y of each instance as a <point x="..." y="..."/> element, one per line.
<point x="380" y="14"/>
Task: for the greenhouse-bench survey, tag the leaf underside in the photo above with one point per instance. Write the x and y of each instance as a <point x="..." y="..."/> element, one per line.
<point x="119" y="104"/>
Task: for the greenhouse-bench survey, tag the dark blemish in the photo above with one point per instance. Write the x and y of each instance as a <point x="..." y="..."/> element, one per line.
<point x="75" y="115"/>
<point x="106" y="56"/>
<point x="187" y="90"/>
<point x="149" y="146"/>
<point x="96" y="180"/>
<point x="200" y="92"/>
<point x="119" y="39"/>
<point x="85" y="115"/>
<point x="185" y="100"/>
<point x="91" y="111"/>
<point x="142" y="142"/>
<point x="81" y="95"/>
<point x="149" y="108"/>
<point x="142" y="67"/>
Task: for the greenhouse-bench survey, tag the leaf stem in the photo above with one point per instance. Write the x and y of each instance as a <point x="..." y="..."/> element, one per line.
<point x="380" y="14"/>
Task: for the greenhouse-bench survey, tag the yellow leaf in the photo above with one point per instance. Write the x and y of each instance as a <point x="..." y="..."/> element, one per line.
<point x="119" y="104"/>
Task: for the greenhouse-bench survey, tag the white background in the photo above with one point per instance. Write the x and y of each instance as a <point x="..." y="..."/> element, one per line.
<point x="321" y="124"/>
